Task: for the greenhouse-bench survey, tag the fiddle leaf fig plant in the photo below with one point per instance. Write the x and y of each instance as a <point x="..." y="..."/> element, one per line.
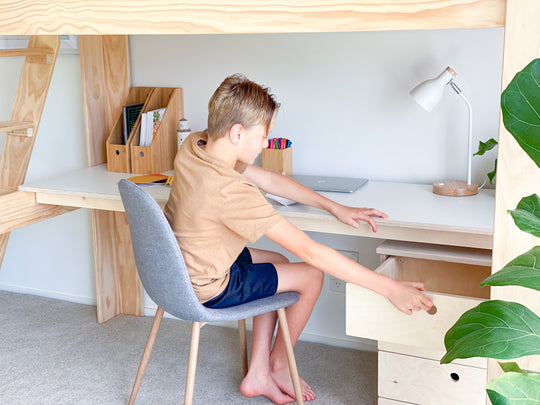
<point x="500" y="329"/>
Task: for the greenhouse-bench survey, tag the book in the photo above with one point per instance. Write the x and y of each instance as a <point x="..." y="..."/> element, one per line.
<point x="152" y="123"/>
<point x="130" y="113"/>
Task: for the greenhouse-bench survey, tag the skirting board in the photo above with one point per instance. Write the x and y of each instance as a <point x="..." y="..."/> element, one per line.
<point x="77" y="299"/>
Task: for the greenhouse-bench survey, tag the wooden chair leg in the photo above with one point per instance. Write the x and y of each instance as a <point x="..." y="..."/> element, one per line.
<point x="192" y="362"/>
<point x="146" y="354"/>
<point x="284" y="326"/>
<point x="243" y="345"/>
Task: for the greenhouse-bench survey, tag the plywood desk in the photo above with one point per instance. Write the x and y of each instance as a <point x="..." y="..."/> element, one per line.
<point x="415" y="214"/>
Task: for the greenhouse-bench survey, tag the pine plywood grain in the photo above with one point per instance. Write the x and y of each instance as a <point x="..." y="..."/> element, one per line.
<point x="118" y="288"/>
<point x="517" y="175"/>
<point x="28" y="105"/>
<point x="106" y="82"/>
<point x="20" y="208"/>
<point x="244" y="16"/>
<point x="422" y="381"/>
<point x="370" y="315"/>
<point x="27" y="108"/>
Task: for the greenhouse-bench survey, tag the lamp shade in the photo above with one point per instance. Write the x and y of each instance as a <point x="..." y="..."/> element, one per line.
<point x="428" y="94"/>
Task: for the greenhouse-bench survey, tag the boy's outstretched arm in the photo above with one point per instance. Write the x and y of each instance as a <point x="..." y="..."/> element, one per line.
<point x="404" y="295"/>
<point x="284" y="186"/>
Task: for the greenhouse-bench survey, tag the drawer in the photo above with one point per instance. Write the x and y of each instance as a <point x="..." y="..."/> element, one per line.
<point x="453" y="288"/>
<point x="426" y="382"/>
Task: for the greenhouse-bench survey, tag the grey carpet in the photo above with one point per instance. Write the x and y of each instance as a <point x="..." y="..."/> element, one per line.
<point x="54" y="352"/>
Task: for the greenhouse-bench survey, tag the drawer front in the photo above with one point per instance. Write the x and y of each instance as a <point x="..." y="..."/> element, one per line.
<point x="426" y="382"/>
<point x="370" y="315"/>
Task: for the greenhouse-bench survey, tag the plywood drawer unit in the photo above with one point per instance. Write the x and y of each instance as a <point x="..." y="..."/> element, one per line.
<point x="451" y="276"/>
<point x="423" y="381"/>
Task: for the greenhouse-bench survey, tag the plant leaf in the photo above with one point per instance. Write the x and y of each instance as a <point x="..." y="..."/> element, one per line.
<point x="497" y="399"/>
<point x="527" y="215"/>
<point x="524" y="271"/>
<point x="520" y="104"/>
<point x="517" y="388"/>
<point x="495" y="329"/>
<point x="491" y="175"/>
<point x="511" y="366"/>
<point x="483" y="147"/>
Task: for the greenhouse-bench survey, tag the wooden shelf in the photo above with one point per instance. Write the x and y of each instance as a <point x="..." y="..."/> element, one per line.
<point x="22" y="128"/>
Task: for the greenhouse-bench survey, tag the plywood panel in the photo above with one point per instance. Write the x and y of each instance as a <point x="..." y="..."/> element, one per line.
<point x="244" y="16"/>
<point x="27" y="107"/>
<point x="20" y="208"/>
<point x="106" y="82"/>
<point x="517" y="175"/>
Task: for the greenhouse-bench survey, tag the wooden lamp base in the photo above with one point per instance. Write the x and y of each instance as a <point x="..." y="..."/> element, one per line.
<point x="455" y="188"/>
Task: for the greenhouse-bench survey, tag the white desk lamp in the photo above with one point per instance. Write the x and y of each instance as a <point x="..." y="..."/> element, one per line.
<point x="428" y="94"/>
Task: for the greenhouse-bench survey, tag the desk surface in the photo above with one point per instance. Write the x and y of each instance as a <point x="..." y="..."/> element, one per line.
<point x="415" y="213"/>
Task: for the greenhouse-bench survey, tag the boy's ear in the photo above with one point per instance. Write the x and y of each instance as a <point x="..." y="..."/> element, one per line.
<point x="235" y="133"/>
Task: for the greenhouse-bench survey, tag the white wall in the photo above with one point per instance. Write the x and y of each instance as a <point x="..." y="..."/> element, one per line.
<point x="345" y="105"/>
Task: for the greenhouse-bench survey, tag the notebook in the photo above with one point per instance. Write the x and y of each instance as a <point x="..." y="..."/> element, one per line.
<point x="335" y="184"/>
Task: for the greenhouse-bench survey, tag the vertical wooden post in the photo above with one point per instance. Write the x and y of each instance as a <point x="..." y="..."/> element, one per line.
<point x="517" y="175"/>
<point x="106" y="83"/>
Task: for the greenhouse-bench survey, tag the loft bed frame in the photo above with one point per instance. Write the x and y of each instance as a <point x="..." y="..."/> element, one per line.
<point x="103" y="26"/>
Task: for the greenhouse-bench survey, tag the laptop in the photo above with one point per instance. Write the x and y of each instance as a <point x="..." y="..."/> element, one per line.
<point x="335" y="184"/>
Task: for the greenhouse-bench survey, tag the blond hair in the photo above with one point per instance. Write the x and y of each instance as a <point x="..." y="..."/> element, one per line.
<point x="238" y="100"/>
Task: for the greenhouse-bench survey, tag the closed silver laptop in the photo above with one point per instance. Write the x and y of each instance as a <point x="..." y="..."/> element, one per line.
<point x="327" y="183"/>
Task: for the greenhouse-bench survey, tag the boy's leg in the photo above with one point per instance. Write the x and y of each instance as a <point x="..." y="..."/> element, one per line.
<point x="307" y="281"/>
<point x="258" y="380"/>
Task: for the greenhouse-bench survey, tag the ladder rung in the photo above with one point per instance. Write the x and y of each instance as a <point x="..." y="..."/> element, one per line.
<point x="26" y="52"/>
<point x="33" y="55"/>
<point x="22" y="128"/>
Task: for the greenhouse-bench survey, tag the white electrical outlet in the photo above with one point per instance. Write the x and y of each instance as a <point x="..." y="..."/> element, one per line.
<point x="336" y="284"/>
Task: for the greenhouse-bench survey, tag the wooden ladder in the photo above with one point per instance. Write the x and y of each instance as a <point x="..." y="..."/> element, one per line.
<point x="20" y="208"/>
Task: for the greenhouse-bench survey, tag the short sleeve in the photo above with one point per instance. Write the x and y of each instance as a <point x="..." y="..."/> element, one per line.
<point x="247" y="212"/>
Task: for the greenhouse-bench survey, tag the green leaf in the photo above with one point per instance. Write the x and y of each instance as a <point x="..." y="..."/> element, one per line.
<point x="517" y="388"/>
<point x="524" y="271"/>
<point x="511" y="366"/>
<point x="497" y="399"/>
<point x="494" y="329"/>
<point x="527" y="215"/>
<point x="520" y="104"/>
<point x="491" y="175"/>
<point x="483" y="147"/>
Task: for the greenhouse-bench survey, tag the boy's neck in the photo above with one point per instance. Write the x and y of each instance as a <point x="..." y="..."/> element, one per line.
<point x="221" y="149"/>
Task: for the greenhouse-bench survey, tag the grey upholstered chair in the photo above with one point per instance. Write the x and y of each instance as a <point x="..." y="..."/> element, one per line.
<point x="164" y="275"/>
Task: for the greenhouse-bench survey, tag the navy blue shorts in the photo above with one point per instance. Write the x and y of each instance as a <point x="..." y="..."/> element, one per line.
<point x="249" y="281"/>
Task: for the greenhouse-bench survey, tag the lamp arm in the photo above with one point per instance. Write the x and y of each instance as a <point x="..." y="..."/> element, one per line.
<point x="469" y="155"/>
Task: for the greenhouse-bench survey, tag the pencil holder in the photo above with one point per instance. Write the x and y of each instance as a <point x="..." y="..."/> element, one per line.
<point x="278" y="160"/>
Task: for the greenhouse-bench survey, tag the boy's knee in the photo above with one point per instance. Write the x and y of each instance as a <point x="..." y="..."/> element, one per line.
<point x="281" y="258"/>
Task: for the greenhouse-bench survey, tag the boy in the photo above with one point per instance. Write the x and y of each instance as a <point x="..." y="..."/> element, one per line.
<point x="215" y="208"/>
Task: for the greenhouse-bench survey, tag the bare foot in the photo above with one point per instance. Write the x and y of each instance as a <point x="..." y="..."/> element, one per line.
<point x="282" y="378"/>
<point x="253" y="386"/>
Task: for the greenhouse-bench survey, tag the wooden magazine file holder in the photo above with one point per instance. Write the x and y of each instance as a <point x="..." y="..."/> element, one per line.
<point x="159" y="156"/>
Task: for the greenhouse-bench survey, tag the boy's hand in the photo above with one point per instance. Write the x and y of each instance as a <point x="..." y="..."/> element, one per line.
<point x="350" y="216"/>
<point x="407" y="297"/>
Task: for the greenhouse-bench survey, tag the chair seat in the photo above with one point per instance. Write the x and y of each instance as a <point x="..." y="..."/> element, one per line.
<point x="247" y="310"/>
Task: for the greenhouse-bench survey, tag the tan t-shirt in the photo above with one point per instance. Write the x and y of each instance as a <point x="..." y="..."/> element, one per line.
<point x="214" y="211"/>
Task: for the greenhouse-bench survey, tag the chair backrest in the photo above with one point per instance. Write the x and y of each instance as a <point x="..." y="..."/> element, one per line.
<point x="159" y="261"/>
